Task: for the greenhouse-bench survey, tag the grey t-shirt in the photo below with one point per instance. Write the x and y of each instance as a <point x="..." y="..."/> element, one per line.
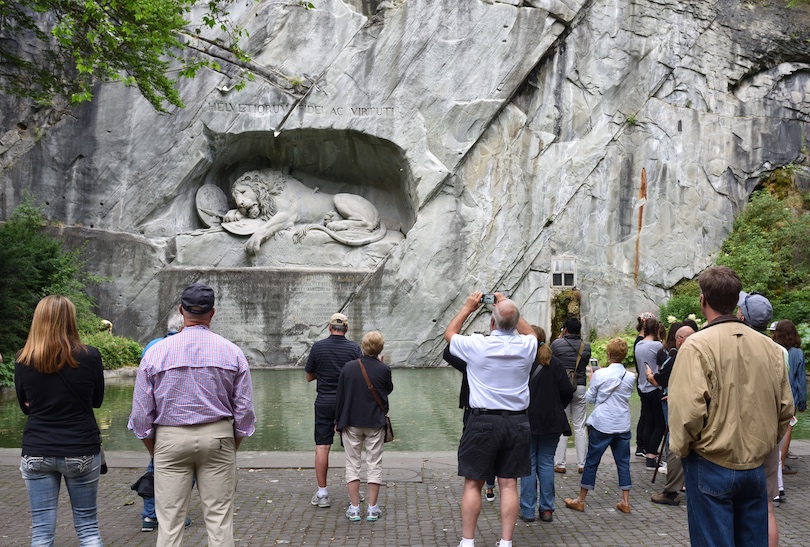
<point x="646" y="353"/>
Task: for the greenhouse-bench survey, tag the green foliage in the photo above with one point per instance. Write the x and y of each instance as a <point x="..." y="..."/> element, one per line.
<point x="7" y="371"/>
<point x="599" y="346"/>
<point x="564" y="304"/>
<point x="116" y="351"/>
<point x="631" y="120"/>
<point x="33" y="265"/>
<point x="78" y="44"/>
<point x="768" y="246"/>
<point x="683" y="304"/>
<point x="306" y="5"/>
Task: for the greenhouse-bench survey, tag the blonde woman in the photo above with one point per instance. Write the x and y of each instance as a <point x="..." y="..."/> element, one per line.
<point x="58" y="381"/>
<point x="361" y="422"/>
<point x="609" y="423"/>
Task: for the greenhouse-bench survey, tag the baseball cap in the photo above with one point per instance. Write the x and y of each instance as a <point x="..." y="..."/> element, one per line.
<point x="756" y="309"/>
<point x="197" y="299"/>
<point x="773" y="325"/>
<point x="338" y="319"/>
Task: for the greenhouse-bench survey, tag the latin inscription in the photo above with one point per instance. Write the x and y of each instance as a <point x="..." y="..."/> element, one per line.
<point x="317" y="110"/>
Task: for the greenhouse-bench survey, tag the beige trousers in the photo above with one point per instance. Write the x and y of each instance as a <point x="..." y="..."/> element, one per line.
<point x="354" y="438"/>
<point x="209" y="452"/>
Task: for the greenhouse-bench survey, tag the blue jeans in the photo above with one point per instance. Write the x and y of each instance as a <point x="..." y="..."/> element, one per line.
<point x="542" y="448"/>
<point x="43" y="477"/>
<point x="598" y="443"/>
<point x="149" y="503"/>
<point x="726" y="507"/>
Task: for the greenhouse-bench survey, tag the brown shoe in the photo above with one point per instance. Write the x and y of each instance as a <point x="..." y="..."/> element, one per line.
<point x="576" y="504"/>
<point x="558" y="469"/>
<point x="546" y="516"/>
<point x="623" y="507"/>
<point x="580" y="470"/>
<point x="666" y="498"/>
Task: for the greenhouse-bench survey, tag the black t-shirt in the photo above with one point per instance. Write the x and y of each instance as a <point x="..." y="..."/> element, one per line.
<point x="58" y="423"/>
<point x="326" y="359"/>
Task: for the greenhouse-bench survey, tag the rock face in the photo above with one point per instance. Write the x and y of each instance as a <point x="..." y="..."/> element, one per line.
<point x="502" y="143"/>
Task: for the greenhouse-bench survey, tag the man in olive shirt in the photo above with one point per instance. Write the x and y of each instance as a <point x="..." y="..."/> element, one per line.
<point x="730" y="403"/>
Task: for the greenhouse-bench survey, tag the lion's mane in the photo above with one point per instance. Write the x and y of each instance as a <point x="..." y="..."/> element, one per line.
<point x="265" y="191"/>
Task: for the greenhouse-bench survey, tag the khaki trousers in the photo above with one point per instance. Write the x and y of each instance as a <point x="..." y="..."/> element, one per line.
<point x="209" y="452"/>
<point x="354" y="438"/>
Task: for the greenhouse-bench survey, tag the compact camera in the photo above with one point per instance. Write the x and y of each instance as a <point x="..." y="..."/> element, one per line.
<point x="488" y="299"/>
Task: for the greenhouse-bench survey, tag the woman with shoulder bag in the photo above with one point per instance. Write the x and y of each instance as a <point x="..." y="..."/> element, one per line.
<point x="551" y="391"/>
<point x="58" y="382"/>
<point x="361" y="408"/>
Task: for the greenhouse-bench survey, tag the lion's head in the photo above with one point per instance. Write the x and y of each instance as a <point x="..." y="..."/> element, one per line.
<point x="260" y="201"/>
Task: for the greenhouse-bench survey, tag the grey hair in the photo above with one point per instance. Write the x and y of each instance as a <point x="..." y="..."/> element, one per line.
<point x="506" y="315"/>
<point x="175" y="322"/>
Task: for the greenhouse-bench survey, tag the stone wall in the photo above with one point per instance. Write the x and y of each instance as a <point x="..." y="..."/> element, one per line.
<point x="493" y="137"/>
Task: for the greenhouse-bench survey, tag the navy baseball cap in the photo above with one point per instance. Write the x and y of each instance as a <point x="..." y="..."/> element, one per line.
<point x="198" y="299"/>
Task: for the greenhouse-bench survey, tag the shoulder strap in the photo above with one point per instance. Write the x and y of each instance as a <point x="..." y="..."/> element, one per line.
<point x="616" y="386"/>
<point x="371" y="386"/>
<point x="579" y="353"/>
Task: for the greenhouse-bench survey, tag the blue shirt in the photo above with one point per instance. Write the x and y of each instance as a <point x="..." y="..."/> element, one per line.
<point x="610" y="392"/>
<point x="194" y="377"/>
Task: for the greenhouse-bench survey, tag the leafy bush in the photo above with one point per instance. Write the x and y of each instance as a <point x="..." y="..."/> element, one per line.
<point x="599" y="346"/>
<point x="768" y="246"/>
<point x="116" y="351"/>
<point x="7" y="371"/>
<point x="33" y="265"/>
<point x="684" y="303"/>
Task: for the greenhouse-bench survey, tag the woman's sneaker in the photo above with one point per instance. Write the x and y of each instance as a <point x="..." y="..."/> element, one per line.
<point x="373" y="514"/>
<point x="353" y="514"/>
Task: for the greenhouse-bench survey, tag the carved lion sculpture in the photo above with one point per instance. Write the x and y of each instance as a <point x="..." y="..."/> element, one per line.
<point x="281" y="202"/>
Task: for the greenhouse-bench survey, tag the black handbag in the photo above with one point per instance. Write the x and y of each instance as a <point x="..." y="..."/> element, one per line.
<point x="145" y="485"/>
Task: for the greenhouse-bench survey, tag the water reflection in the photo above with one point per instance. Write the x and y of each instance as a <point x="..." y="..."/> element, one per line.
<point x="424" y="411"/>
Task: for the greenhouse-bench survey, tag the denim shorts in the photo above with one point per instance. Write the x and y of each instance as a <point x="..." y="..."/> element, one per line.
<point x="494" y="442"/>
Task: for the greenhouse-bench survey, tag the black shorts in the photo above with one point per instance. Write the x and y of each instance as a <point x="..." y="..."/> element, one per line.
<point x="494" y="442"/>
<point x="324" y="424"/>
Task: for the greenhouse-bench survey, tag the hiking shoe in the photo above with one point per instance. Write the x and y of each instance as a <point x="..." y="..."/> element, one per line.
<point x="373" y="514"/>
<point x="651" y="464"/>
<point x="148" y="524"/>
<point x="546" y="516"/>
<point x="666" y="498"/>
<point x="490" y="494"/>
<point x="353" y="514"/>
<point x="321" y="501"/>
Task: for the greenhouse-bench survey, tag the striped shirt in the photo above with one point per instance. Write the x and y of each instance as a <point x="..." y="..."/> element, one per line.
<point x="194" y="377"/>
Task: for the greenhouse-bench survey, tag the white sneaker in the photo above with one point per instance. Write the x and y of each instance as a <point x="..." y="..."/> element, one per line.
<point x="321" y="501"/>
<point x="663" y="468"/>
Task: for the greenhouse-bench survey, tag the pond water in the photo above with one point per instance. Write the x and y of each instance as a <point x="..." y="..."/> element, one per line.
<point x="424" y="412"/>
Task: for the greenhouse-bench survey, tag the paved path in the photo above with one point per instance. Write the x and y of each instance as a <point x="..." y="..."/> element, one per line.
<point x="420" y="502"/>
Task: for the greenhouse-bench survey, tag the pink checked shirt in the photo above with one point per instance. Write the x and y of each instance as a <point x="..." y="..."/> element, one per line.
<point x="191" y="378"/>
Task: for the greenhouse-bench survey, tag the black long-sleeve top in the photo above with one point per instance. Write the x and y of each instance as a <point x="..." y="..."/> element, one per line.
<point x="58" y="423"/>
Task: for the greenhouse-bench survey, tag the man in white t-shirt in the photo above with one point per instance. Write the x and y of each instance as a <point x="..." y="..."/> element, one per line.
<point x="497" y="435"/>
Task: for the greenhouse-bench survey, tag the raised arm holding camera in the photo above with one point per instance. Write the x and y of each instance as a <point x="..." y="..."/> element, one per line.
<point x="498" y="433"/>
